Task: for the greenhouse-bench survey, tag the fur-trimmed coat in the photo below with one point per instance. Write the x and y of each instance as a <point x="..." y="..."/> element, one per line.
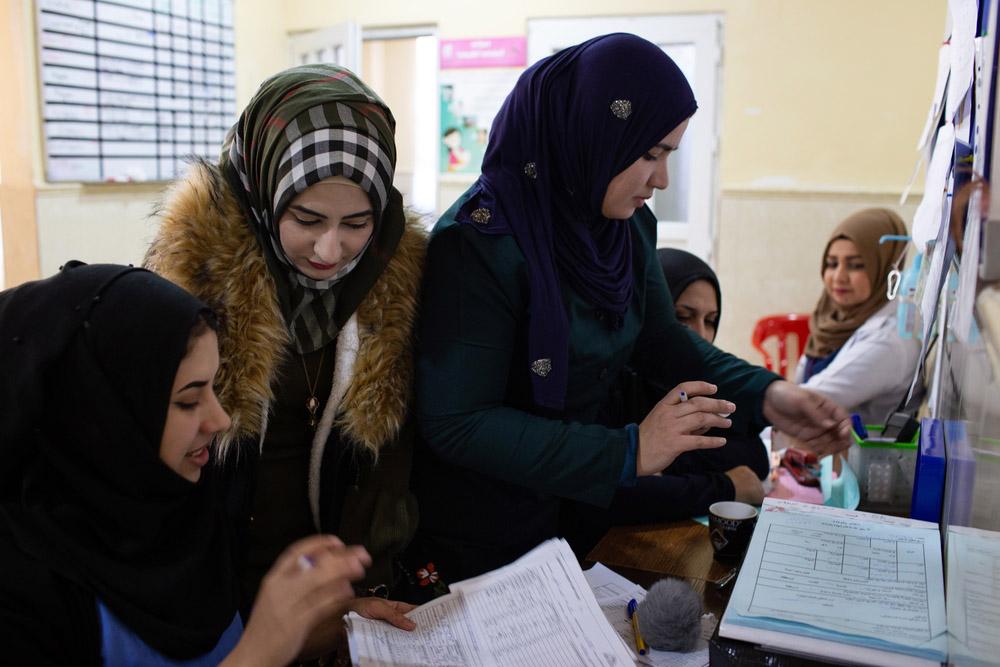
<point x="205" y="245"/>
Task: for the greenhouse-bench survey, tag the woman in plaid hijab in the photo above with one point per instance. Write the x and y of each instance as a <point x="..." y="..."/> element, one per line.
<point x="300" y="242"/>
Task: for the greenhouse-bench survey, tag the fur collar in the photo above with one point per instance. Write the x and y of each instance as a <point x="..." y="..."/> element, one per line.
<point x="205" y="245"/>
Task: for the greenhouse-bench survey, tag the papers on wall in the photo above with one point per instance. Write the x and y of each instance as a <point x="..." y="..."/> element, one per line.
<point x="964" y="14"/>
<point x="937" y="100"/>
<point x="860" y="587"/>
<point x="973" y="596"/>
<point x="131" y="90"/>
<point x="613" y="593"/>
<point x="539" y="610"/>
<point x="927" y="221"/>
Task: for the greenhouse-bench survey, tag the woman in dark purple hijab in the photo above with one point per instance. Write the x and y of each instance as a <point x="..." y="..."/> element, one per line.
<point x="541" y="286"/>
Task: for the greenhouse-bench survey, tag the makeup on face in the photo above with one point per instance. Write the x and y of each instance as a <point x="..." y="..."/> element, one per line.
<point x="697" y="308"/>
<point x="194" y="415"/>
<point x="630" y="189"/>
<point x="326" y="227"/>
<point x="845" y="277"/>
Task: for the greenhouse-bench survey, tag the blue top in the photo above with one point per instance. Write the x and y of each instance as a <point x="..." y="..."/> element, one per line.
<point x="120" y="647"/>
<point x="815" y="365"/>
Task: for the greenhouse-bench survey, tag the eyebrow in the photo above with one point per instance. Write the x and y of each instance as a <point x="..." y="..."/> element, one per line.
<point x="666" y="147"/>
<point x="847" y="257"/>
<point x="349" y="216"/>
<point x="307" y="211"/>
<point x="359" y="214"/>
<point x="192" y="385"/>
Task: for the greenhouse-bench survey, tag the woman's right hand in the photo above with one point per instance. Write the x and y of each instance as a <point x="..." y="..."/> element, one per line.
<point x="674" y="426"/>
<point x="309" y="582"/>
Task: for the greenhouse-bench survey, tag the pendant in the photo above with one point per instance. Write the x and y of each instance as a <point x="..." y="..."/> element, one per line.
<point x="311" y="405"/>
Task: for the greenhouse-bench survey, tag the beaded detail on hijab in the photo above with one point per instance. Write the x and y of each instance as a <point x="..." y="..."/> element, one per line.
<point x="621" y="109"/>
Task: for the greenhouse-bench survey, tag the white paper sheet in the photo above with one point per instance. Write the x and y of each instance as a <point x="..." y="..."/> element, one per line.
<point x="931" y="294"/>
<point x="968" y="273"/>
<point x="927" y="219"/>
<point x="937" y="100"/>
<point x="973" y="595"/>
<point x="538" y="610"/>
<point x="962" y="52"/>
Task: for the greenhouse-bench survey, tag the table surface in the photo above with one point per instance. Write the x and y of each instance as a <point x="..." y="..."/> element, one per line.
<point x="646" y="554"/>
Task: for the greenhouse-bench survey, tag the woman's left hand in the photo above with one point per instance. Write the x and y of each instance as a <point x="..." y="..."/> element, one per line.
<point x="331" y="637"/>
<point x="821" y="425"/>
<point x="390" y="611"/>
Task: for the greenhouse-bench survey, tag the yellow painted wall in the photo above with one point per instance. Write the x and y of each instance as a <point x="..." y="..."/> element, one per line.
<point x="822" y="101"/>
<point x="817" y="94"/>
<point x="17" y="188"/>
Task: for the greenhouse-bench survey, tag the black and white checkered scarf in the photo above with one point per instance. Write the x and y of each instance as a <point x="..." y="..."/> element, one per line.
<point x="303" y="126"/>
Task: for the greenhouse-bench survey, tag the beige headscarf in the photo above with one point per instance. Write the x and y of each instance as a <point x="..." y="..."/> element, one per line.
<point x="830" y="325"/>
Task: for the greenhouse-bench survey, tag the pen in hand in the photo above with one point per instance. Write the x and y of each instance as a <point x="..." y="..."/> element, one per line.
<point x="640" y="644"/>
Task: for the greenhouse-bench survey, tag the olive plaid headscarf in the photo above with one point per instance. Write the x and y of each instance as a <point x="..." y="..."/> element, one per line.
<point x="305" y="125"/>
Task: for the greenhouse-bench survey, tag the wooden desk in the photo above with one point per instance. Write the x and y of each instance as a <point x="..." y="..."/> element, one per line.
<point x="646" y="554"/>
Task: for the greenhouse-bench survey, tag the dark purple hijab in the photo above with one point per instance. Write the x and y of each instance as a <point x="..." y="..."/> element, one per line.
<point x="573" y="122"/>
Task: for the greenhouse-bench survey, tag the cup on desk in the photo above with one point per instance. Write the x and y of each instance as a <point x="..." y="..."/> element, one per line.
<point x="730" y="525"/>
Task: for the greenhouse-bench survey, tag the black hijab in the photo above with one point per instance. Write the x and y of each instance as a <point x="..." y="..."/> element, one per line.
<point x="681" y="268"/>
<point x="87" y="364"/>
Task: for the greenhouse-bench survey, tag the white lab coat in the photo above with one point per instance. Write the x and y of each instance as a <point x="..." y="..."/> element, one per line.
<point x="873" y="370"/>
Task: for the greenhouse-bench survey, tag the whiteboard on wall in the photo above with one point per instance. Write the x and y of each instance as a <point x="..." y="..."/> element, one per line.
<point x="131" y="89"/>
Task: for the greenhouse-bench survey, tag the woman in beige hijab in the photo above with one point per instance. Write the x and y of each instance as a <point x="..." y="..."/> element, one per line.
<point x="854" y="354"/>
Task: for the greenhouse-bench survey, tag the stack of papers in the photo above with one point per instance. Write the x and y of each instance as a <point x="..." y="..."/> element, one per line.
<point x="864" y="588"/>
<point x="539" y="610"/>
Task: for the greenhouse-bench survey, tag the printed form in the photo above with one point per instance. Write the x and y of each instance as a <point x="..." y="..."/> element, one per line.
<point x="853" y="573"/>
<point x="973" y="595"/>
<point x="538" y="610"/>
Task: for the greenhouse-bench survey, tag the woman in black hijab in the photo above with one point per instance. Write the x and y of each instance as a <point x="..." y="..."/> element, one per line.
<point x="697" y="478"/>
<point x="111" y="550"/>
<point x="697" y="300"/>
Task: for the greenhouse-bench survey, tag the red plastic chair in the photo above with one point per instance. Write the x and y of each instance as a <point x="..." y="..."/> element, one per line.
<point x="780" y="326"/>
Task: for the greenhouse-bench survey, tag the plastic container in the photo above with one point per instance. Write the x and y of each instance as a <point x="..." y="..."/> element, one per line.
<point x="885" y="472"/>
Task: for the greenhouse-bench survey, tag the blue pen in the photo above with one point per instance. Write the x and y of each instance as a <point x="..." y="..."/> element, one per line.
<point x="640" y="644"/>
<point x="859" y="426"/>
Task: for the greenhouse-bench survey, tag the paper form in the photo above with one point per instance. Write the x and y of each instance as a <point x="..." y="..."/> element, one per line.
<point x="538" y="610"/>
<point x="937" y="100"/>
<point x="927" y="219"/>
<point x="964" y="14"/>
<point x="973" y="595"/>
<point x="857" y="577"/>
<point x="933" y="283"/>
<point x="613" y="593"/>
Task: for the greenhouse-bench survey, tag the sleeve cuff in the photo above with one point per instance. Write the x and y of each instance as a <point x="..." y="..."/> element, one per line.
<point x="631" y="456"/>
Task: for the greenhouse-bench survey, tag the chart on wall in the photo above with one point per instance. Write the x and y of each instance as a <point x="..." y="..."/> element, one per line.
<point x="132" y="89"/>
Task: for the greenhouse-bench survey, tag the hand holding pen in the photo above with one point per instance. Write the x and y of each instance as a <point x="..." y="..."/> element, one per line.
<point x="678" y="424"/>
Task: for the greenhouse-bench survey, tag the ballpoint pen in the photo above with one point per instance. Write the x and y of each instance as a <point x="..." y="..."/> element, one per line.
<point x="724" y="580"/>
<point x="640" y="644"/>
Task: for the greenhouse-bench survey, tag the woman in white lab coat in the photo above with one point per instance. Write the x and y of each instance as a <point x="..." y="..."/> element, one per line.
<point x="854" y="354"/>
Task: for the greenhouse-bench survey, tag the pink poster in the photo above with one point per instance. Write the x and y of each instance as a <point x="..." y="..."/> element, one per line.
<point x="484" y="52"/>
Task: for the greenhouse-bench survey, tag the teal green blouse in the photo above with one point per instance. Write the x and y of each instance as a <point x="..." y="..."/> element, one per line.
<point x="473" y="373"/>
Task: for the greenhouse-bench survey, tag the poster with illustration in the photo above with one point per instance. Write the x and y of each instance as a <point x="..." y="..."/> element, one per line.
<point x="475" y="78"/>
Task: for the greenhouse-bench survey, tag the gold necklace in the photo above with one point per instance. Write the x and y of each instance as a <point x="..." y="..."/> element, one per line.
<point x="312" y="404"/>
